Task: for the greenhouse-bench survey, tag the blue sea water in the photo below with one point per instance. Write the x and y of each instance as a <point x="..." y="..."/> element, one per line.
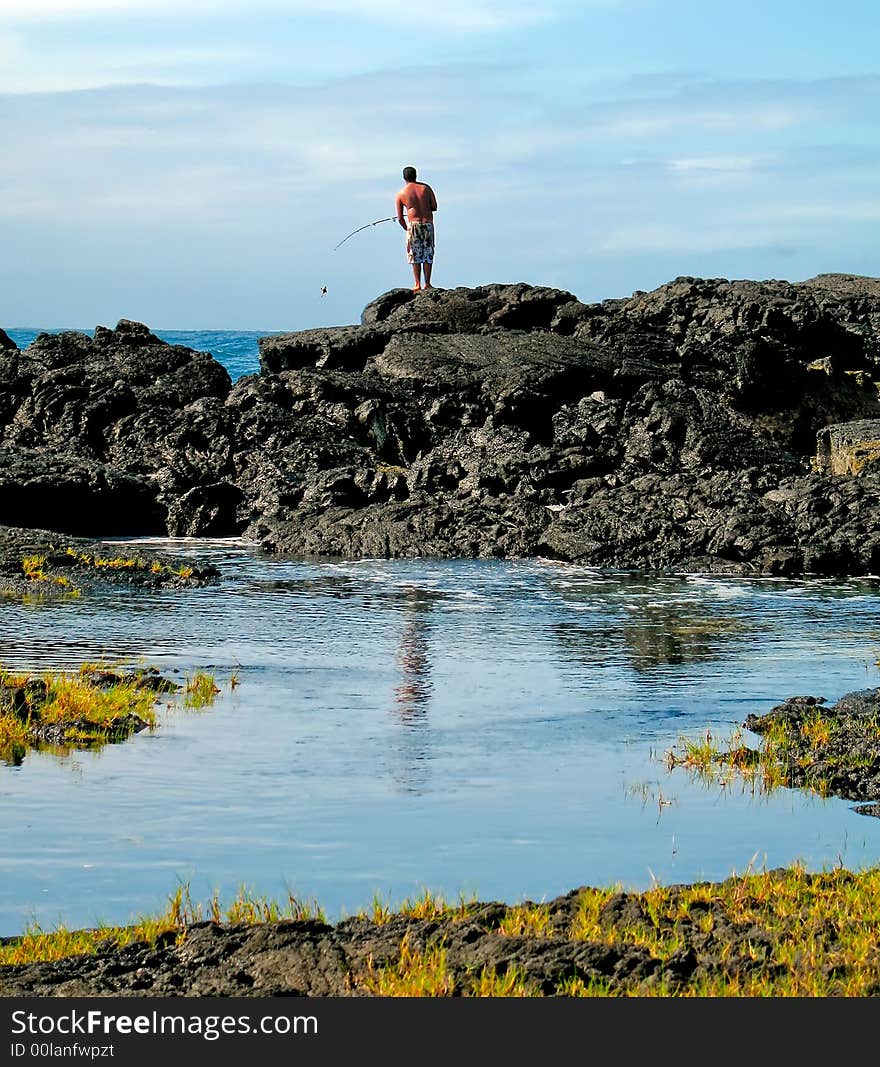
<point x="237" y="350"/>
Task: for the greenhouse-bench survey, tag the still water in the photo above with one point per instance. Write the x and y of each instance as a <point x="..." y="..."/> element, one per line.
<point x="480" y="727"/>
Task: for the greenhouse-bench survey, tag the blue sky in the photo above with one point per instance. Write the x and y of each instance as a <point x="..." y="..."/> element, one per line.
<point x="193" y="164"/>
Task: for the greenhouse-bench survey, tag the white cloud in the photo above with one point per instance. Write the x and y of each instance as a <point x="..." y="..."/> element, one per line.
<point x="715" y="172"/>
<point x="203" y="151"/>
<point x="79" y="44"/>
<point x="723" y="164"/>
<point x="90" y="68"/>
<point x="460" y="15"/>
<point x="651" y="122"/>
<point x="642" y="239"/>
<point x="844" y="211"/>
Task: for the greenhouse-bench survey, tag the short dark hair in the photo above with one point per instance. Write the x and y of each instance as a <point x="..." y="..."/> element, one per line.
<point x="409" y="174"/>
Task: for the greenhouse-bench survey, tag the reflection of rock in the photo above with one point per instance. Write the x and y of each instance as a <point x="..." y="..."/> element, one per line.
<point x="663" y="636"/>
<point x="654" y="636"/>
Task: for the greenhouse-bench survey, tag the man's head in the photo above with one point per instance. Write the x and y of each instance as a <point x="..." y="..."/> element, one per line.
<point x="409" y="174"/>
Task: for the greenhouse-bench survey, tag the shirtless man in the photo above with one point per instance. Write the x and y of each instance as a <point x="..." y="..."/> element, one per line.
<point x="420" y="204"/>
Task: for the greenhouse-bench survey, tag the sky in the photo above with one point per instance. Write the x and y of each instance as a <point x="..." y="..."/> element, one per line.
<point x="193" y="165"/>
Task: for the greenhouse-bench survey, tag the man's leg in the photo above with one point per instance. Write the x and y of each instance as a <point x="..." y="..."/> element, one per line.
<point x="427" y="267"/>
<point x="417" y="275"/>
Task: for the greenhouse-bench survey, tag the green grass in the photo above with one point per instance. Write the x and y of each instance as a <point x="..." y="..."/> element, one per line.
<point x="34" y="569"/>
<point x="526" y="920"/>
<point x="427" y="905"/>
<point x="200" y="690"/>
<point x="812" y="750"/>
<point x="416" y="973"/>
<point x="88" y="712"/>
<point x="49" y="574"/>
<point x="826" y="932"/>
<point x="37" y="945"/>
<point x="89" y="707"/>
<point x="716" y="763"/>
<point x="128" y="563"/>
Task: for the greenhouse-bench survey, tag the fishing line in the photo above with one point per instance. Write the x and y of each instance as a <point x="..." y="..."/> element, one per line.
<point x="392" y="218"/>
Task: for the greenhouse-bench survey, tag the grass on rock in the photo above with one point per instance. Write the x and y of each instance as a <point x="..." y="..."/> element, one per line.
<point x="779" y="933"/>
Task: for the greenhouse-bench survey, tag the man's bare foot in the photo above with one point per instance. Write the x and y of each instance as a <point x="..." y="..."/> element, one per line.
<point x="426" y="287"/>
<point x="417" y="288"/>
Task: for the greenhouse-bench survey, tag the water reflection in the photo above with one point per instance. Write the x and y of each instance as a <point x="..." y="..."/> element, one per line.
<point x="623" y="622"/>
<point x="664" y="636"/>
<point x="412" y="695"/>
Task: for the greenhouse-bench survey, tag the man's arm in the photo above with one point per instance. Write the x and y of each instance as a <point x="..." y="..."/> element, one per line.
<point x="433" y="199"/>
<point x="398" y="208"/>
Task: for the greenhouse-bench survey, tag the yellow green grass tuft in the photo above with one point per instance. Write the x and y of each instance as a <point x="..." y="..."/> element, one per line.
<point x="511" y="983"/>
<point x="416" y="973"/>
<point x="34" y="569"/>
<point x="824" y="927"/>
<point x="200" y="690"/>
<point x="810" y="750"/>
<point x="527" y="920"/>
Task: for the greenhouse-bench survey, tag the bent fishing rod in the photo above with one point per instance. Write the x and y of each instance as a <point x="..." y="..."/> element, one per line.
<point x="368" y="225"/>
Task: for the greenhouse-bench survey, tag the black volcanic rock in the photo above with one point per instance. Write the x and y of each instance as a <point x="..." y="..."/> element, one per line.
<point x="673" y="429"/>
<point x="107" y="435"/>
<point x="46" y="564"/>
<point x="840" y="759"/>
<point x="462" y="310"/>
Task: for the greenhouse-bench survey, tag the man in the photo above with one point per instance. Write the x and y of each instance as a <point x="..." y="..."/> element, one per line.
<point x="420" y="203"/>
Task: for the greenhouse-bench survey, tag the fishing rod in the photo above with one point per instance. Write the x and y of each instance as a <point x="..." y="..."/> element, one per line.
<point x="368" y="225"/>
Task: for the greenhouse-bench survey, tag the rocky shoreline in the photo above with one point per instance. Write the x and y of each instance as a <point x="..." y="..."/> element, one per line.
<point x="314" y="958"/>
<point x="754" y="935"/>
<point x="704" y="934"/>
<point x="710" y="425"/>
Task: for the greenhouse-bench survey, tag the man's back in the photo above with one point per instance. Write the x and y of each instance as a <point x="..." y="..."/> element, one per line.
<point x="419" y="201"/>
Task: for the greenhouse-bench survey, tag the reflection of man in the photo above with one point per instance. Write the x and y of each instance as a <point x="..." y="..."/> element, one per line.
<point x="420" y="203"/>
<point x="412" y="697"/>
<point x="413" y="693"/>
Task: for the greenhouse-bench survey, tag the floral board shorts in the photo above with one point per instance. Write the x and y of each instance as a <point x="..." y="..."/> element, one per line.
<point x="420" y="242"/>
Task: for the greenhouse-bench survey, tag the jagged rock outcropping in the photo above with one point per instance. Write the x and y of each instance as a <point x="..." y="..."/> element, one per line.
<point x="673" y="429"/>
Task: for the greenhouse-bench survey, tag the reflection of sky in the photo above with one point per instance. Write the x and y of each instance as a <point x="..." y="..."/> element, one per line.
<point x="461" y="725"/>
